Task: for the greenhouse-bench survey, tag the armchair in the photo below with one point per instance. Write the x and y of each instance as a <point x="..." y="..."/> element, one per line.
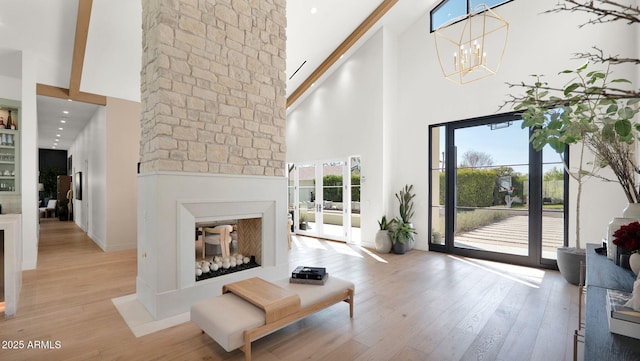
<point x="51" y="207"/>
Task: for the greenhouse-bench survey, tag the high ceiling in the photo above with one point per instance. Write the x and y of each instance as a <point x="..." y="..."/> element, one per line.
<point x="45" y="31"/>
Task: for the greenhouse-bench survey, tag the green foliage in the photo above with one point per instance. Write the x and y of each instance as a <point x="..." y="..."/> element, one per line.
<point x="553" y="174"/>
<point x="355" y="187"/>
<point x="584" y="111"/>
<point x="401" y="232"/>
<point x="384" y="225"/>
<point x="332" y="188"/>
<point x="475" y="187"/>
<point x="405" y="197"/>
<point x="480" y="188"/>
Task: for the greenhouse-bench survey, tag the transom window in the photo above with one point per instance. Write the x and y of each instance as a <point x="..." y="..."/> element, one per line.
<point x="450" y="10"/>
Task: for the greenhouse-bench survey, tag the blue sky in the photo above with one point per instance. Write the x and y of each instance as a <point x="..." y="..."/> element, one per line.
<point x="507" y="146"/>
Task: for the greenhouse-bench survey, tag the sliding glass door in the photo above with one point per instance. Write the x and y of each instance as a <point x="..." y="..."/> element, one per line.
<point x="492" y="195"/>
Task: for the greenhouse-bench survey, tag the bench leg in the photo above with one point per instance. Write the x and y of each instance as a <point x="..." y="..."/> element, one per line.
<point x="247" y="346"/>
<point x="349" y="300"/>
<point x="351" y="304"/>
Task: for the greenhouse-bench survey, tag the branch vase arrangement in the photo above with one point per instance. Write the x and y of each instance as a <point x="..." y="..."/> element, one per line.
<point x="593" y="112"/>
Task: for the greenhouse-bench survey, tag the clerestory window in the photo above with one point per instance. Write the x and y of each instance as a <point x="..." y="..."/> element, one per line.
<point x="450" y="10"/>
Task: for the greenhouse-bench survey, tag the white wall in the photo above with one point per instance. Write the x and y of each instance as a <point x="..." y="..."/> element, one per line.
<point x="343" y="117"/>
<point x="123" y="147"/>
<point x="348" y="103"/>
<point x="89" y="157"/>
<point x="29" y="162"/>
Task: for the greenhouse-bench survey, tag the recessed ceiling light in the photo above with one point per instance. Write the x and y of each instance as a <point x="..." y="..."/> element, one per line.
<point x="54" y="147"/>
<point x="314" y="10"/>
<point x="65" y="111"/>
<point x="60" y="128"/>
<point x="57" y="135"/>
<point x="62" y="121"/>
<point x="69" y="100"/>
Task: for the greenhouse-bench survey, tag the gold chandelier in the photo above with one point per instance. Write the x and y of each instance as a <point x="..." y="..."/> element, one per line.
<point x="471" y="47"/>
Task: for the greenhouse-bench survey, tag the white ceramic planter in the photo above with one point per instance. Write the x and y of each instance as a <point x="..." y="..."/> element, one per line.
<point x="634" y="262"/>
<point x="383" y="241"/>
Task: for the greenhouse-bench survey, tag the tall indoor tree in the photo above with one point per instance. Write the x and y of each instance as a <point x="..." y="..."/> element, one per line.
<point x="593" y="110"/>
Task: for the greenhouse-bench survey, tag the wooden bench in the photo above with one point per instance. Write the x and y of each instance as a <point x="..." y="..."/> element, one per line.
<point x="253" y="308"/>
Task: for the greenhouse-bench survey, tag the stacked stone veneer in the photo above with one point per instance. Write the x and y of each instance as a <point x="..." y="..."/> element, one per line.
<point x="213" y="86"/>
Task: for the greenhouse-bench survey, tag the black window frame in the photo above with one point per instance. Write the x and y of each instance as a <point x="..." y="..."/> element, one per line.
<point x="536" y="162"/>
<point x="441" y="4"/>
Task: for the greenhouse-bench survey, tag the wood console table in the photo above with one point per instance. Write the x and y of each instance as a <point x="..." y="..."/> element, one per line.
<point x="599" y="343"/>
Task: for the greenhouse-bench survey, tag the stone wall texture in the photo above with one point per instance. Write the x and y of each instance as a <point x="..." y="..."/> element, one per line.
<point x="213" y="86"/>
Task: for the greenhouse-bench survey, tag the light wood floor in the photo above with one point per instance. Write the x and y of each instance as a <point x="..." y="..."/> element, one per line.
<point x="417" y="306"/>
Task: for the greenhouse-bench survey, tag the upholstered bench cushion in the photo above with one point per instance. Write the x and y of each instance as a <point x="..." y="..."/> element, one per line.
<point x="225" y="318"/>
<point x="312" y="294"/>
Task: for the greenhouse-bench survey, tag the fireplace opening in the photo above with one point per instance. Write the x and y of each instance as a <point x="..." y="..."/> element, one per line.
<point x="227" y="246"/>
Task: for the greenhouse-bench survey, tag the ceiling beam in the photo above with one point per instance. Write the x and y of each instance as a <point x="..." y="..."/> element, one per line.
<point x="353" y="38"/>
<point x="62" y="93"/>
<point x="80" y="45"/>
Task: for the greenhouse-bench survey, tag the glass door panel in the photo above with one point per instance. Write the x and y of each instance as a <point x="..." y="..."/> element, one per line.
<point x="492" y="188"/>
<point x="553" y="194"/>
<point x="306" y="198"/>
<point x="291" y="193"/>
<point x="438" y="183"/>
<point x="332" y="207"/>
<point x="356" y="171"/>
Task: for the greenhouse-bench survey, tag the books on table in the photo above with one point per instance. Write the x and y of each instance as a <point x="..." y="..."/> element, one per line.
<point x="312" y="273"/>
<point x="622" y="320"/>
<point x="307" y="281"/>
<point x="309" y="275"/>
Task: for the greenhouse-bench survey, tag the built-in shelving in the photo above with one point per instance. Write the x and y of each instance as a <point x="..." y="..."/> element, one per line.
<point x="9" y="161"/>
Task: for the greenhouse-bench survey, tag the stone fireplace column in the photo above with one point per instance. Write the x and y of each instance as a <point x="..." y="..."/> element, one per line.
<point x="213" y="136"/>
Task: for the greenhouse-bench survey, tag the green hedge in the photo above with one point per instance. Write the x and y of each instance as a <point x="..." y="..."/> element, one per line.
<point x="475" y="187"/>
<point x="334" y="193"/>
<point x="480" y="188"/>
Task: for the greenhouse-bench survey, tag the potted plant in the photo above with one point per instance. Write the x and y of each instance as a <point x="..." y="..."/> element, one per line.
<point x="436" y="237"/>
<point x="574" y="115"/>
<point x="383" y="240"/>
<point x="591" y="111"/>
<point x="405" y="197"/>
<point x="401" y="235"/>
<point x="303" y="222"/>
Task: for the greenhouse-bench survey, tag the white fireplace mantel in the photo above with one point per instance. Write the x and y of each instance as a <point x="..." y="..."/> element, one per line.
<point x="169" y="205"/>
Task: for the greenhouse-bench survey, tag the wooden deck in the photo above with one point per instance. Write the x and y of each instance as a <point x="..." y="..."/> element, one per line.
<point x="511" y="236"/>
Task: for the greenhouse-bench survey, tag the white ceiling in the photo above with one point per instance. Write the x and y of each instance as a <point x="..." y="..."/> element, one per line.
<point x="46" y="30"/>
